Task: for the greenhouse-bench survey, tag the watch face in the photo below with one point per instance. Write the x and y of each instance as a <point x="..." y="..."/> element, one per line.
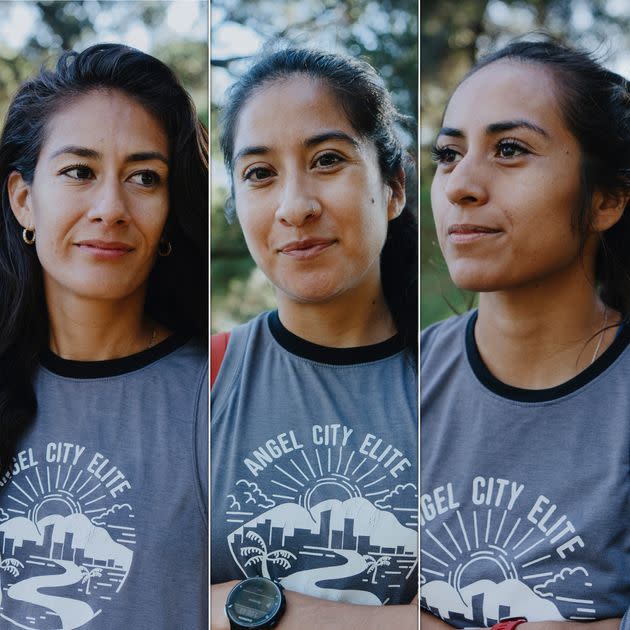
<point x="254" y="602"/>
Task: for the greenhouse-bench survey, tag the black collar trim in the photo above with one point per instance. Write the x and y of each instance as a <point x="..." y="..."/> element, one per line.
<point x="110" y="367"/>
<point x="333" y="356"/>
<point x="605" y="360"/>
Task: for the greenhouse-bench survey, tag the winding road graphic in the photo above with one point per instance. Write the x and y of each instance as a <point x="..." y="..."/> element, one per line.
<point x="72" y="612"/>
<point x="306" y="581"/>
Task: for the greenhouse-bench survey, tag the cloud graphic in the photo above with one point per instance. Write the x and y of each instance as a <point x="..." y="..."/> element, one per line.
<point x="3" y="516"/>
<point x="117" y="514"/>
<point x="234" y="504"/>
<point x="253" y="494"/>
<point x="560" y="582"/>
<point x="401" y="496"/>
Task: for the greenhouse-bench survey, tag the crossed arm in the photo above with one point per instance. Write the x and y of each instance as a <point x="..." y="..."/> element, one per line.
<point x="303" y="611"/>
<point x="430" y="622"/>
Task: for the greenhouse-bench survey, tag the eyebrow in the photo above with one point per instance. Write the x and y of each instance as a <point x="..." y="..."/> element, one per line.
<point x="85" y="152"/>
<point x="309" y="142"/>
<point x="330" y="135"/>
<point x="498" y="127"/>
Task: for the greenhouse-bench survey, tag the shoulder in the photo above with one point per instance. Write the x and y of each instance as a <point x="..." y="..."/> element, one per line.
<point x="445" y="336"/>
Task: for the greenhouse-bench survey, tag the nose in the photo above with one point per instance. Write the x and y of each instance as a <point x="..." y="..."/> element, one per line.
<point x="466" y="184"/>
<point x="298" y="203"/>
<point x="110" y="204"/>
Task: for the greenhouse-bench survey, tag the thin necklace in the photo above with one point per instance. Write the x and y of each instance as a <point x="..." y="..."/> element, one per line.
<point x="601" y="336"/>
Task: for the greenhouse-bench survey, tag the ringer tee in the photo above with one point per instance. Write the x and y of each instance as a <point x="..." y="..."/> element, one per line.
<point x="525" y="498"/>
<point x="103" y="518"/>
<point x="314" y="466"/>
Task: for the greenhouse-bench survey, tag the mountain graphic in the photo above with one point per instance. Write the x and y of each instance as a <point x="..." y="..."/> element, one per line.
<point x="95" y="541"/>
<point x="382" y="527"/>
<point x="20" y="529"/>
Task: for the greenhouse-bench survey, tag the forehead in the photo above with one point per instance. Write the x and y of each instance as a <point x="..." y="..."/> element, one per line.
<point x="506" y="90"/>
<point x="104" y="116"/>
<point x="291" y="108"/>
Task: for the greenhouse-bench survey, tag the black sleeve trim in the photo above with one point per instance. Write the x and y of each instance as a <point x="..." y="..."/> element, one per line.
<point x="333" y="356"/>
<point x="605" y="360"/>
<point x="110" y="367"/>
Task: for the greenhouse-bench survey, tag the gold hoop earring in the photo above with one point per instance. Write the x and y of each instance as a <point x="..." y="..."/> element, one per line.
<point x="28" y="236"/>
<point x="165" y="248"/>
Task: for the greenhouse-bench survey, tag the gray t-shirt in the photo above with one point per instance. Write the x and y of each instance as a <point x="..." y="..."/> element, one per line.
<point x="314" y="466"/>
<point x="103" y="523"/>
<point x="525" y="498"/>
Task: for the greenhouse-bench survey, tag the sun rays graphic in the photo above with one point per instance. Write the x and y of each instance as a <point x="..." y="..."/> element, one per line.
<point x="64" y="490"/>
<point x="495" y="546"/>
<point x="324" y="473"/>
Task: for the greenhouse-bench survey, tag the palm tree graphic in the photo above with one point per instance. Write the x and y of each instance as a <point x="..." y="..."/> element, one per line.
<point x="374" y="564"/>
<point x="88" y="574"/>
<point x="12" y="567"/>
<point x="262" y="555"/>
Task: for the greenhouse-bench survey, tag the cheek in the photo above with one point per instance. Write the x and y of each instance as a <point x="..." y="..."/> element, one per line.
<point x="438" y="203"/>
<point x="254" y="230"/>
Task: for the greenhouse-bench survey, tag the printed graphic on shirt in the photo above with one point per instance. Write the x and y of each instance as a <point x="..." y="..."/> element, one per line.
<point x="332" y="515"/>
<point x="488" y="553"/>
<point x="66" y="537"/>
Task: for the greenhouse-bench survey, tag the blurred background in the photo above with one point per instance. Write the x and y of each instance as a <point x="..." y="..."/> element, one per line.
<point x="384" y="32"/>
<point x="35" y="33"/>
<point x="453" y="34"/>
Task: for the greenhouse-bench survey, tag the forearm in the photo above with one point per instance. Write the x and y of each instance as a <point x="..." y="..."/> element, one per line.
<point x="602" y="624"/>
<point x="303" y="611"/>
<point x="431" y="622"/>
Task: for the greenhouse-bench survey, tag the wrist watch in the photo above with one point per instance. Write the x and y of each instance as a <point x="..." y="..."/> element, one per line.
<point x="255" y="602"/>
<point x="509" y="623"/>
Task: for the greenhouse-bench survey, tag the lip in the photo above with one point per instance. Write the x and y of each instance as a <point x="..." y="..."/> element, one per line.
<point x="104" y="249"/>
<point x="467" y="232"/>
<point x="306" y="248"/>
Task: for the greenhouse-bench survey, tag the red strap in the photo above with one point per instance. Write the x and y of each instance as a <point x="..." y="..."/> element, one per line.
<point x="218" y="346"/>
<point x="509" y="624"/>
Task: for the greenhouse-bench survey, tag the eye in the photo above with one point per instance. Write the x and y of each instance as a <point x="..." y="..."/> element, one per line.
<point x="326" y="160"/>
<point x="257" y="174"/>
<point x="78" y="172"/>
<point x="445" y="155"/>
<point x="510" y="148"/>
<point x="145" y="178"/>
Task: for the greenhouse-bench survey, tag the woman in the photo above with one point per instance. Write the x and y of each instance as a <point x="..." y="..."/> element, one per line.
<point x="319" y="491"/>
<point x="103" y="257"/>
<point x="525" y="493"/>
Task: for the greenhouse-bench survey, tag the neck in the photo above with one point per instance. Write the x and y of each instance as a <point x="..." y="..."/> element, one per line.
<point x="540" y="337"/>
<point x="97" y="330"/>
<point x="348" y="321"/>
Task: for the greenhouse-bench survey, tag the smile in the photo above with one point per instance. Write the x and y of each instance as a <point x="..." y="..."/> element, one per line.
<point x="308" y="248"/>
<point x="466" y="233"/>
<point x="104" y="249"/>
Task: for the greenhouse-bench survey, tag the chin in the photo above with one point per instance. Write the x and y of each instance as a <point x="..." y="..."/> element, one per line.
<point x="474" y="280"/>
<point x="311" y="288"/>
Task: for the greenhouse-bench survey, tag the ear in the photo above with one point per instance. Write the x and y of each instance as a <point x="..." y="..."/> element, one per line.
<point x="397" y="197"/>
<point x="20" y="200"/>
<point x="607" y="209"/>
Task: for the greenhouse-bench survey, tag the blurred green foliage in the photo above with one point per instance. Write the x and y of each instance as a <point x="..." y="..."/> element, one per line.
<point x="59" y="25"/>
<point x="454" y="33"/>
<point x="384" y="33"/>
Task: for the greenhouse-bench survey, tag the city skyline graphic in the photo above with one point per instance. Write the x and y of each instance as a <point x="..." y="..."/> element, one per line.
<point x="483" y="564"/>
<point x="330" y="521"/>
<point x="66" y="538"/>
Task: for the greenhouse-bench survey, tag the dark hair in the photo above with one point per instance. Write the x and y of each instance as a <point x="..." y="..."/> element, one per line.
<point x="369" y="108"/>
<point x="595" y="103"/>
<point x="177" y="289"/>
